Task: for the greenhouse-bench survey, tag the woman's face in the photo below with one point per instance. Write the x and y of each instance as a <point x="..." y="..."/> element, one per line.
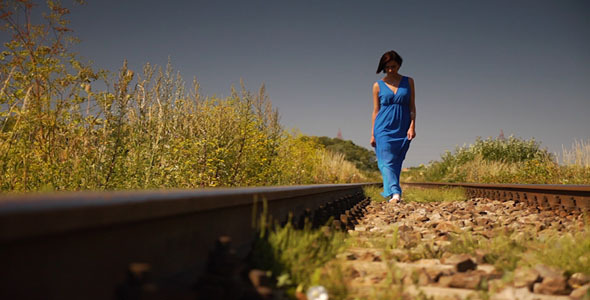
<point x="391" y="67"/>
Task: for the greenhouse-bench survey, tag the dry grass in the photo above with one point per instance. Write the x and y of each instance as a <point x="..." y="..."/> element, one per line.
<point x="507" y="161"/>
<point x="66" y="126"/>
<point x="578" y="155"/>
<point x="334" y="168"/>
<point x="415" y="194"/>
<point x="434" y="195"/>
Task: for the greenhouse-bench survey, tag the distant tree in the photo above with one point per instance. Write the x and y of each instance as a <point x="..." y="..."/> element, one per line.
<point x="363" y="158"/>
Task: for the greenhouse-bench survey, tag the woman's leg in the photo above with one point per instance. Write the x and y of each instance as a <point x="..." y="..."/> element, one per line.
<point x="388" y="178"/>
<point x="385" y="160"/>
<point x="397" y="168"/>
<point x="399" y="159"/>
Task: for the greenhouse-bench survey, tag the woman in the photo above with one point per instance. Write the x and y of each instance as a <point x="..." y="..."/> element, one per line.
<point x="394" y="115"/>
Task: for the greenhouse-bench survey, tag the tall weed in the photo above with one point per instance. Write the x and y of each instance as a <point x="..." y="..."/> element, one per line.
<point x="511" y="160"/>
<point x="578" y="155"/>
<point x="60" y="130"/>
<point x="295" y="255"/>
<point x="507" y="250"/>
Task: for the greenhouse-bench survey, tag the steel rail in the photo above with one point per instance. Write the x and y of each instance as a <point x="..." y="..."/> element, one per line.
<point x="79" y="245"/>
<point x="560" y="198"/>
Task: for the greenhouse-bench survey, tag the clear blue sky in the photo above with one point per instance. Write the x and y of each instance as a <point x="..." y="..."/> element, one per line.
<point x="479" y="66"/>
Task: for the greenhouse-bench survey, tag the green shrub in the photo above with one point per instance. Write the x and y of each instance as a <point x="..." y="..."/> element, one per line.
<point x="511" y="160"/>
<point x="295" y="255"/>
<point x="433" y="194"/>
<point x="364" y="159"/>
<point x="507" y="250"/>
<point x="145" y="130"/>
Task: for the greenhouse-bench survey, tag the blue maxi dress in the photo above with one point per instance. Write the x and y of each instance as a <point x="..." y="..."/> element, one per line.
<point x="391" y="134"/>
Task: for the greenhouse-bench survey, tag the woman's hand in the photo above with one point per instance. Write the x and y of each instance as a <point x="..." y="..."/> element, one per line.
<point x="373" y="142"/>
<point x="411" y="133"/>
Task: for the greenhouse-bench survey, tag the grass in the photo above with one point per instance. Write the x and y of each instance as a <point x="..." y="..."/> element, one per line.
<point x="503" y="251"/>
<point x="374" y="192"/>
<point x="295" y="255"/>
<point x="434" y="194"/>
<point x="301" y="258"/>
<point x="577" y="155"/>
<point x="65" y="125"/>
<point x="569" y="252"/>
<point x="511" y="160"/>
<point x="415" y="194"/>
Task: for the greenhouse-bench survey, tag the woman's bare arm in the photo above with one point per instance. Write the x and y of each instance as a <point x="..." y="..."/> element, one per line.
<point x="376" y="107"/>
<point x="412" y="130"/>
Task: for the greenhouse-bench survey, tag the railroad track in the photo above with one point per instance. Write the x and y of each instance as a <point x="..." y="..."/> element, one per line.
<point x="560" y="198"/>
<point x="88" y="244"/>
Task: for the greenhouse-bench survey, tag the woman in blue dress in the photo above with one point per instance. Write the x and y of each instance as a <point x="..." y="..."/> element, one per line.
<point x="394" y="121"/>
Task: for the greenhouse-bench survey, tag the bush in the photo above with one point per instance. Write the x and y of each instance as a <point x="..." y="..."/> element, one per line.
<point x="511" y="160"/>
<point x="144" y="131"/>
<point x="364" y="159"/>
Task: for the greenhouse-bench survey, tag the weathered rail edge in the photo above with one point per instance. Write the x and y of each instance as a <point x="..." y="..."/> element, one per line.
<point x="565" y="198"/>
<point x="79" y="245"/>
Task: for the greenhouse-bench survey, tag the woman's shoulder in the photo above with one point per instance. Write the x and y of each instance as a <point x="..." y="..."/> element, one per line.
<point x="410" y="79"/>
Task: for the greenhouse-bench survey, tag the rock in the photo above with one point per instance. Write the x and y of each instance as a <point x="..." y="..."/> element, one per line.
<point x="424" y="279"/>
<point x="462" y="262"/>
<point x="436" y="217"/>
<point x="552" y="286"/>
<point x="578" y="280"/>
<point x="300" y="296"/>
<point x="480" y="255"/>
<point x="410" y="238"/>
<point x="485" y="268"/>
<point x="487" y="234"/>
<point x="443" y="244"/>
<point x="467" y="228"/>
<point x="581" y="292"/>
<point x="407" y="280"/>
<point x="445" y="281"/>
<point x="352" y="273"/>
<point x="370" y="256"/>
<point x="465" y="280"/>
<point x="404" y="228"/>
<point x="429" y="236"/>
<point x="360" y="228"/>
<point x="264" y="292"/>
<point x="259" y="278"/>
<point x="539" y="227"/>
<point x="446" y="227"/>
<point x="482" y="221"/>
<point x="435" y="273"/>
<point x="526" y="278"/>
<point x="351" y="256"/>
<point x="546" y="271"/>
<point x="400" y="255"/>
<point x="510" y="293"/>
<point x="495" y="285"/>
<point x="377" y="279"/>
<point x="428" y="262"/>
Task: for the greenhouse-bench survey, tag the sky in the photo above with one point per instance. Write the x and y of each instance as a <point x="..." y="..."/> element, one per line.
<point x="479" y="66"/>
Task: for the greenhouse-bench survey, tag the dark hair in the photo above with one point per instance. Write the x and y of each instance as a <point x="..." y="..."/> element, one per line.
<point x="387" y="57"/>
